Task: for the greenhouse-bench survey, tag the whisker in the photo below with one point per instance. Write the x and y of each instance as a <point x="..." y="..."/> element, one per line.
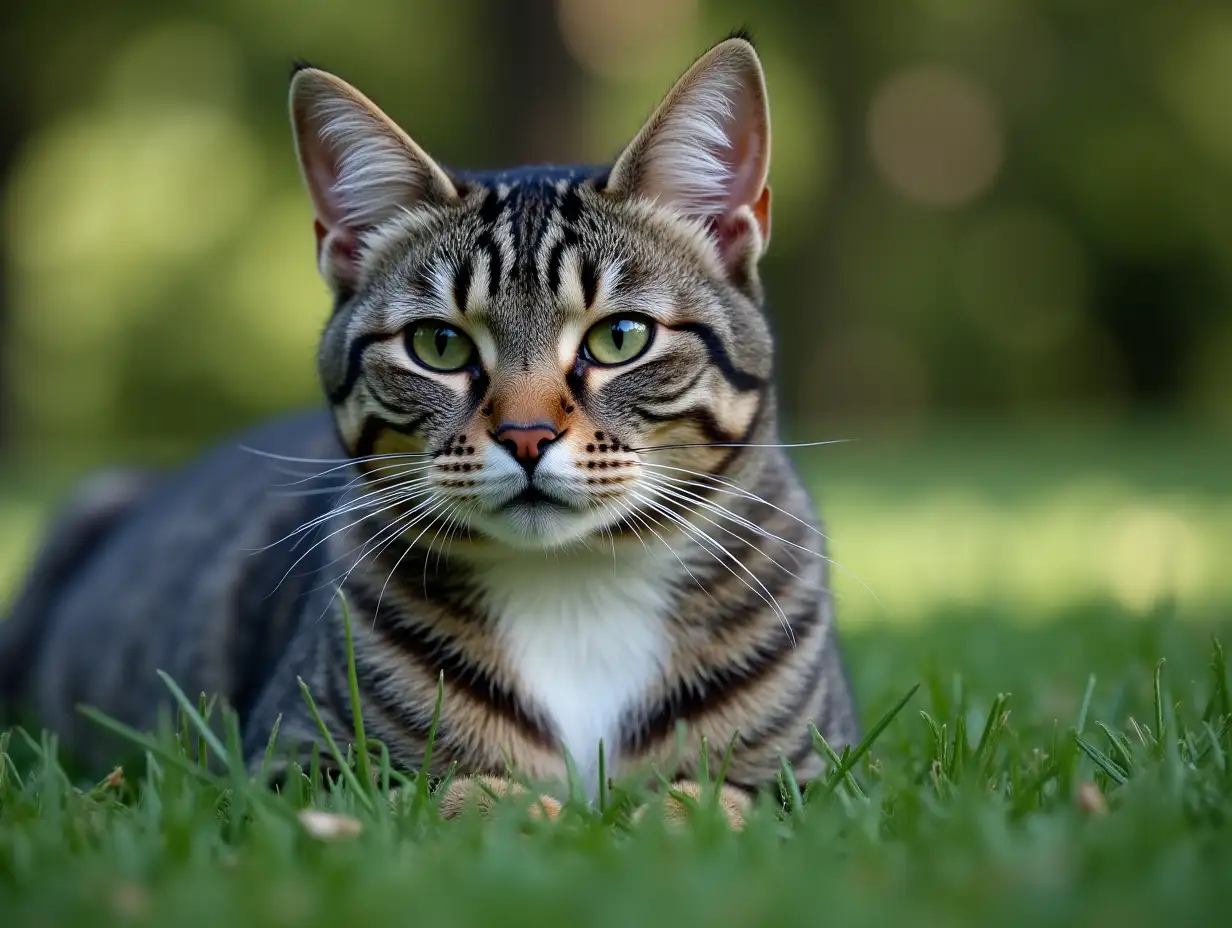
<point x="363" y="477"/>
<point x="367" y="501"/>
<point x="701" y="535"/>
<point x="396" y="465"/>
<point x="736" y="490"/>
<point x="669" y="485"/>
<point x="745" y="444"/>
<point x="348" y="460"/>
<point x="399" y="525"/>
<point x="381" y="538"/>
<point x="443" y="508"/>
<point x="461" y="513"/>
<point x="631" y="513"/>
<point x="328" y="537"/>
<point x="661" y="491"/>
<point x="395" y="530"/>
<point x="739" y="491"/>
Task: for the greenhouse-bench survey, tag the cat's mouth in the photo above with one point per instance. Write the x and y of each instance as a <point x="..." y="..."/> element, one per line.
<point x="533" y="496"/>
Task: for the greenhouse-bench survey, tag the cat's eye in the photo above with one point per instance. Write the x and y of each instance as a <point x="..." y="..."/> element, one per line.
<point x="617" y="339"/>
<point x="440" y="346"/>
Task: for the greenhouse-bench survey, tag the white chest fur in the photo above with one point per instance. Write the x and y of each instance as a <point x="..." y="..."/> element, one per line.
<point x="585" y="639"/>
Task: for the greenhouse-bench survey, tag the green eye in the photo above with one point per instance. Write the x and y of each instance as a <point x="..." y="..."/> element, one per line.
<point x="440" y="346"/>
<point x="618" y="340"/>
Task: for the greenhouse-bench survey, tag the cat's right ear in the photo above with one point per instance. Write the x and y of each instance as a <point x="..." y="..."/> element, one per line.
<point x="360" y="168"/>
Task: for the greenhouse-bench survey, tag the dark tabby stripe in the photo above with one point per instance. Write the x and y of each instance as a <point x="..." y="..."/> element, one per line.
<point x="354" y="365"/>
<point x="689" y="700"/>
<point x="462" y="283"/>
<point x="435" y="653"/>
<point x="741" y="380"/>
<point x="178" y="585"/>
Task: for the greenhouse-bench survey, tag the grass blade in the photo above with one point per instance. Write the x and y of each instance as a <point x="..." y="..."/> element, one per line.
<point x="422" y="796"/>
<point x="602" y="797"/>
<point x="867" y="742"/>
<point x="203" y="727"/>
<point x="1121" y="747"/>
<point x="791" y="789"/>
<point x="1102" y="760"/>
<point x="1219" y="669"/>
<point x="836" y="765"/>
<point x="363" y="761"/>
<point x="1160" y="732"/>
<point x="998" y="718"/>
<point x="344" y="769"/>
<point x="1085" y="709"/>
<point x="151" y="746"/>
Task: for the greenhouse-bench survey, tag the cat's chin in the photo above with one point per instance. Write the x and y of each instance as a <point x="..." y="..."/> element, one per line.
<point x="537" y="525"/>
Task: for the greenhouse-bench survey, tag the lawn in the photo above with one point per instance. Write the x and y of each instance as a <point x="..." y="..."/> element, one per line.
<point x="1065" y="759"/>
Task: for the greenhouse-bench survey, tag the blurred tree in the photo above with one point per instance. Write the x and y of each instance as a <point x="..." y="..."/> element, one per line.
<point x="13" y="128"/>
<point x="536" y="85"/>
<point x="1089" y="267"/>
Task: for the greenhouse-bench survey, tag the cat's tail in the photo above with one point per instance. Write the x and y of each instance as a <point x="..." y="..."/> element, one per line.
<point x="75" y="534"/>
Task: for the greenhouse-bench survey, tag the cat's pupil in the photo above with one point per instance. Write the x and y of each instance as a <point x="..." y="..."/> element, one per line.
<point x="442" y="341"/>
<point x="618" y="335"/>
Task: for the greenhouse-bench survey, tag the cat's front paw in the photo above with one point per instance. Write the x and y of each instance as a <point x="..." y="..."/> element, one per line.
<point x="484" y="791"/>
<point x="734" y="803"/>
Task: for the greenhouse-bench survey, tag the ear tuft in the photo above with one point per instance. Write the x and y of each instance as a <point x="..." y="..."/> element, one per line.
<point x="300" y="64"/>
<point x="705" y="152"/>
<point x="743" y="33"/>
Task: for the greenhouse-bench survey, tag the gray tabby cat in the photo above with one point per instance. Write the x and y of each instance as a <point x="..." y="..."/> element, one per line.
<point x="549" y="471"/>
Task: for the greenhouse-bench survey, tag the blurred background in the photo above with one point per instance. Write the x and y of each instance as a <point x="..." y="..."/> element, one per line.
<point x="1001" y="263"/>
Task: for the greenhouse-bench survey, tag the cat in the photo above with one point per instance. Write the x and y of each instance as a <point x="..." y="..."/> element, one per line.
<point x="549" y="474"/>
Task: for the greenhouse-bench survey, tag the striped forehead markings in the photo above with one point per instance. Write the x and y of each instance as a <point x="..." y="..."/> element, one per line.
<point x="543" y="213"/>
<point x="490" y="213"/>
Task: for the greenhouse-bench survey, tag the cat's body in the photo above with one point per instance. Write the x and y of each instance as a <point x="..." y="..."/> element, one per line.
<point x="550" y="476"/>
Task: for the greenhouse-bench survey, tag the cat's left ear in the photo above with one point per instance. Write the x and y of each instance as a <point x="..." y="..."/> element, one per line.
<point x="705" y="152"/>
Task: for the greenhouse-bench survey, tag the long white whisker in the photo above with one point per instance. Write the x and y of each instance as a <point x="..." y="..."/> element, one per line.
<point x="396" y="493"/>
<point x="344" y="461"/>
<point x="395" y="530"/>
<point x="668" y="494"/>
<point x="382" y="537"/>
<point x="736" y="490"/>
<point x="331" y="535"/>
<point x="740" y="492"/>
<point x="668" y="485"/>
<point x="700" y="536"/>
<point x="634" y="514"/>
<point x="442" y="509"/>
<point x="367" y="476"/>
<point x="745" y="444"/>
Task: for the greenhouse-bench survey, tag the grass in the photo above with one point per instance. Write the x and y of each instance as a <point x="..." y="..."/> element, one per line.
<point x="1061" y="751"/>
<point x="1038" y="775"/>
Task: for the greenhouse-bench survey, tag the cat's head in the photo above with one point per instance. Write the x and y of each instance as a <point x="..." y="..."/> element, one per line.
<point x="544" y="354"/>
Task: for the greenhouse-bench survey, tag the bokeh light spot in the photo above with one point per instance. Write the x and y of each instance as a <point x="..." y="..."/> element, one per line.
<point x="935" y="136"/>
<point x="620" y="38"/>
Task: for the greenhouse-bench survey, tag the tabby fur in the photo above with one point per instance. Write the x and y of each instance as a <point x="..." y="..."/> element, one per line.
<point x="584" y="552"/>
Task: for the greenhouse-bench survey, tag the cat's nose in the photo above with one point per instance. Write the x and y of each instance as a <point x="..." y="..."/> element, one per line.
<point x="526" y="442"/>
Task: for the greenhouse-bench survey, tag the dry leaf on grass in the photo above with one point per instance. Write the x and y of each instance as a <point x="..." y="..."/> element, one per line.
<point x="330" y="826"/>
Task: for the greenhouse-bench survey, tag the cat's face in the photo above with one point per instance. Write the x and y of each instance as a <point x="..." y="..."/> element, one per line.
<point x="545" y="355"/>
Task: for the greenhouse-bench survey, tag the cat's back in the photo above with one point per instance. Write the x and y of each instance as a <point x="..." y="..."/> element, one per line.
<point x="181" y="572"/>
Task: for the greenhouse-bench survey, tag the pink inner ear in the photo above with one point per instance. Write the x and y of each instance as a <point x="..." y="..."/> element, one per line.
<point x="731" y="232"/>
<point x="337" y="253"/>
<point x="322" y="176"/>
<point x="744" y="154"/>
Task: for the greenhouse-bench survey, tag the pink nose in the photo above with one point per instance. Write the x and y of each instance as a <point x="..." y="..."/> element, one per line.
<point x="525" y="442"/>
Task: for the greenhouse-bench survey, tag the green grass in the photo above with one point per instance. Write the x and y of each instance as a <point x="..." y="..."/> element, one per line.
<point x="1041" y="774"/>
<point x="1013" y="579"/>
